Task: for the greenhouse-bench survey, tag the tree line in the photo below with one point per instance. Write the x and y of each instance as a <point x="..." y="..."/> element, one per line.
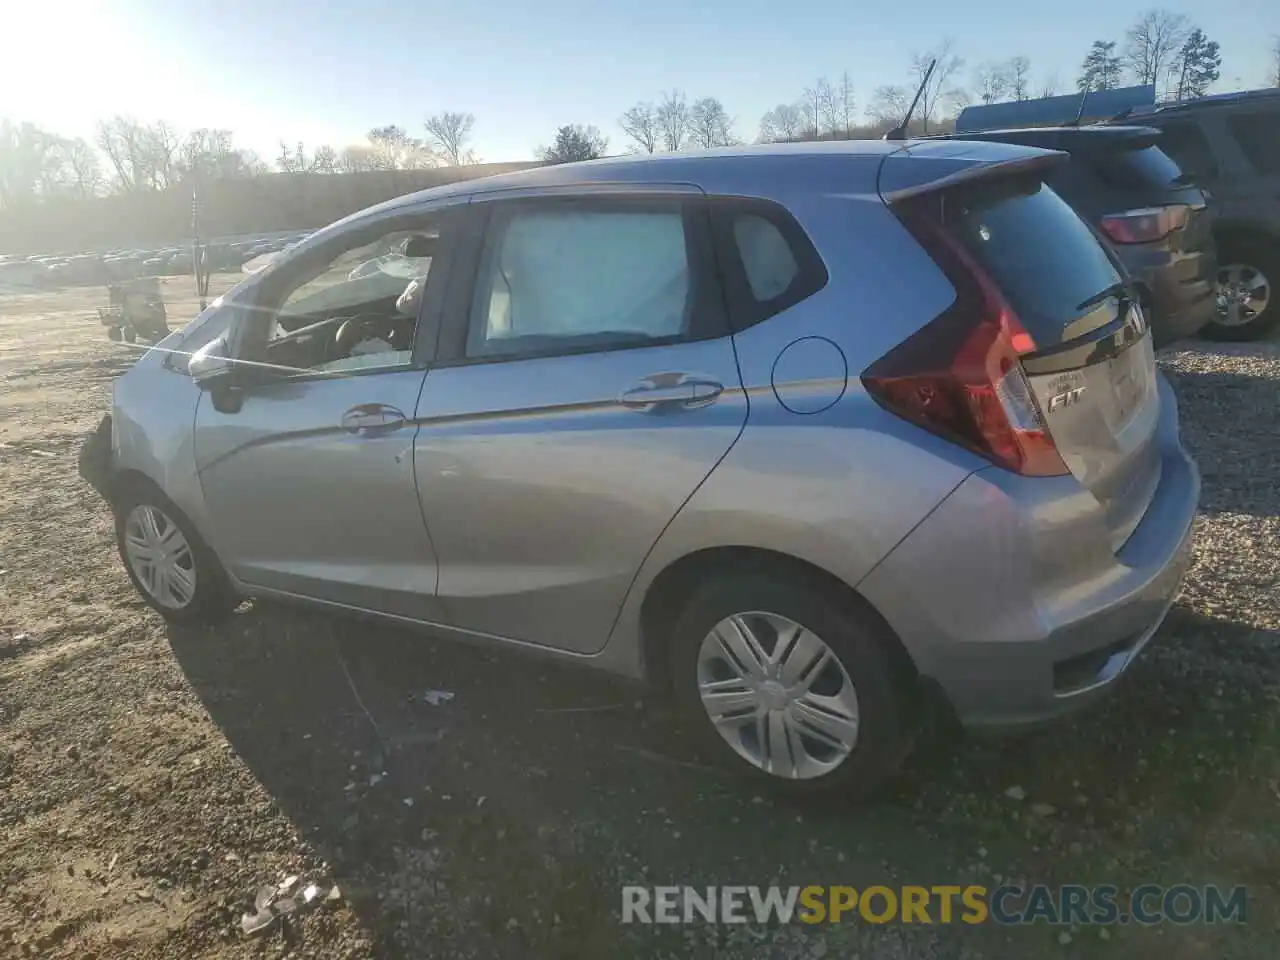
<point x="1163" y="49"/>
<point x="125" y="155"/>
<point x="129" y="156"/>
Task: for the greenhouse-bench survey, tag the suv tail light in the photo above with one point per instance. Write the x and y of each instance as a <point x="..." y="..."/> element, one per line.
<point x="961" y="375"/>
<point x="1145" y="225"/>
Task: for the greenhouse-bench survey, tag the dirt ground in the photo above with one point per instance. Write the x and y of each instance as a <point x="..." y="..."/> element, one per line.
<point x="152" y="778"/>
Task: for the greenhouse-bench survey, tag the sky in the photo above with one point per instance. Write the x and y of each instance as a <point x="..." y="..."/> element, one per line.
<point x="327" y="71"/>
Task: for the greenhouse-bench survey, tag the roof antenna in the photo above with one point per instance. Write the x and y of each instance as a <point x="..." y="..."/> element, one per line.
<point x="900" y="131"/>
<point x="1084" y="95"/>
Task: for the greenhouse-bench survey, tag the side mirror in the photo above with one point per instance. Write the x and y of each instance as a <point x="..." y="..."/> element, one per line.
<point x="211" y="365"/>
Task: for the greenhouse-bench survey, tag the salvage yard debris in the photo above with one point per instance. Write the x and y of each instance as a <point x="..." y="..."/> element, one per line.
<point x="272" y="903"/>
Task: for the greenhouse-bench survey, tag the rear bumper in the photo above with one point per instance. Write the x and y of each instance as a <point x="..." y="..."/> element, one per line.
<point x="1183" y="289"/>
<point x="1010" y="599"/>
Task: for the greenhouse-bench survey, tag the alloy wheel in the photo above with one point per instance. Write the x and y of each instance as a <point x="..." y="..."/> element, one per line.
<point x="778" y="695"/>
<point x="160" y="556"/>
<point x="1243" y="294"/>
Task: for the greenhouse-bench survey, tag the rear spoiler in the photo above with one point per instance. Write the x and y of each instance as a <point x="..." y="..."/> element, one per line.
<point x="898" y="181"/>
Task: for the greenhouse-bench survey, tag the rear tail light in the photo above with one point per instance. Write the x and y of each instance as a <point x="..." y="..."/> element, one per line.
<point x="1145" y="225"/>
<point x="961" y="377"/>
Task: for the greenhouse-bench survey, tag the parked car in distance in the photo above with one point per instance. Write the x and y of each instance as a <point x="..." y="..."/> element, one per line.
<point x="804" y="432"/>
<point x="1230" y="144"/>
<point x="1156" y="219"/>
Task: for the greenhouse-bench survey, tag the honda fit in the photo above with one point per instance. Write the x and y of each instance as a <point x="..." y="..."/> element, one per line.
<point x="799" y="431"/>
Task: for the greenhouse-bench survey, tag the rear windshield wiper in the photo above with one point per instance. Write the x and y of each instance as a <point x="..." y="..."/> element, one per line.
<point x="1121" y="290"/>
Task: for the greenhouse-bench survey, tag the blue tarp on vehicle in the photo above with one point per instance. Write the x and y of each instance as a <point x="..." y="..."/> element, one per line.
<point x="1054" y="111"/>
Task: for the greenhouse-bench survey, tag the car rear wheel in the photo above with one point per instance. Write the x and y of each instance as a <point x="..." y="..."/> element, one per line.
<point x="1247" y="296"/>
<point x="790" y="685"/>
<point x="170" y="566"/>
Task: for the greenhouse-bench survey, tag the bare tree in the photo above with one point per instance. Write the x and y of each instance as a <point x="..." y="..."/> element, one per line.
<point x="211" y="154"/>
<point x="673" y="119"/>
<point x="161" y="145"/>
<point x="1152" y="44"/>
<point x="449" y="133"/>
<point x="83" y="166"/>
<point x="640" y="123"/>
<point x="203" y="152"/>
<point x="822" y="108"/>
<point x="292" y="159"/>
<point x="1019" y="73"/>
<point x="324" y="160"/>
<point x="122" y="140"/>
<point x="1275" y="61"/>
<point x="710" y="124"/>
<point x="991" y="81"/>
<point x="394" y="149"/>
<point x="357" y="158"/>
<point x="889" y="104"/>
<point x="844" y="97"/>
<point x="1049" y="88"/>
<point x="31" y="165"/>
<point x="142" y="156"/>
<point x="939" y="88"/>
<point x="783" y="122"/>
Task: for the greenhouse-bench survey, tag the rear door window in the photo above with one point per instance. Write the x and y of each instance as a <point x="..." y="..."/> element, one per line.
<point x="1259" y="137"/>
<point x="768" y="262"/>
<point x="1046" y="261"/>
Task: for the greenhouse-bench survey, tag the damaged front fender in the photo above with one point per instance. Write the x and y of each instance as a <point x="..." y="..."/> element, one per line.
<point x="95" y="462"/>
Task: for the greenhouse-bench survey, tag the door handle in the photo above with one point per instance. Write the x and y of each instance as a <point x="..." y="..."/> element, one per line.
<point x="667" y="390"/>
<point x="372" y="419"/>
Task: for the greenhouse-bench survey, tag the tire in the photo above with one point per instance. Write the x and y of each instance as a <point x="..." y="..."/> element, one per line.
<point x="1244" y="263"/>
<point x="804" y="766"/>
<point x="115" y="334"/>
<point x="130" y="335"/>
<point x="203" y="593"/>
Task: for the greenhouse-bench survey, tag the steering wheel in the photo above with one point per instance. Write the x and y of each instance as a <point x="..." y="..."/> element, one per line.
<point x="364" y="326"/>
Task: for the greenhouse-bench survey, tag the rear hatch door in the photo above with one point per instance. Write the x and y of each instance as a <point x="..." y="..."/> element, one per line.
<point x="1093" y="371"/>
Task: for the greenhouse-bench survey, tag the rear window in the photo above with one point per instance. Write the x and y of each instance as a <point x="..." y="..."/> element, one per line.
<point x="1138" y="169"/>
<point x="1044" y="258"/>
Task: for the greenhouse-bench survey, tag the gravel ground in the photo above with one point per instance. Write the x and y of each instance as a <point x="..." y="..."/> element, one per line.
<point x="152" y="779"/>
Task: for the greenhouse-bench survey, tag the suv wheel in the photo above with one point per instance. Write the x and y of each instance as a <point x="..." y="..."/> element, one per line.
<point x="171" y="567"/>
<point x="1247" y="294"/>
<point x="789" y="685"/>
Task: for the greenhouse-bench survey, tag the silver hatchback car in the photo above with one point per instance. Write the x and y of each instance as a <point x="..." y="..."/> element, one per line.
<point x="800" y="431"/>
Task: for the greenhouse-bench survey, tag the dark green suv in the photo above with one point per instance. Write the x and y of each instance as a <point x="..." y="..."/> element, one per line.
<point x="1230" y="144"/>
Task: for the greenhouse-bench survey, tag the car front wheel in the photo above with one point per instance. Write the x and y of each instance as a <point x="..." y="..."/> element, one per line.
<point x="790" y="684"/>
<point x="171" y="567"/>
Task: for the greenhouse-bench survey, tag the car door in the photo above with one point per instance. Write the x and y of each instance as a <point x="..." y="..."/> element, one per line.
<point x="586" y="385"/>
<point x="307" y="469"/>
